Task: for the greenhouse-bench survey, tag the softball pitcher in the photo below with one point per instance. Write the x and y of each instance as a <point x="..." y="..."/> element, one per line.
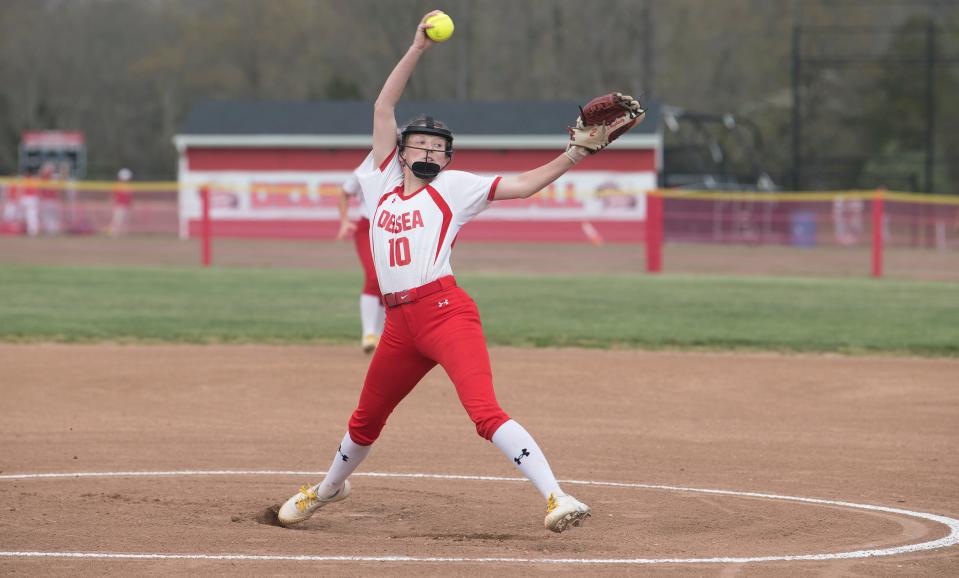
<point x="416" y="207"/>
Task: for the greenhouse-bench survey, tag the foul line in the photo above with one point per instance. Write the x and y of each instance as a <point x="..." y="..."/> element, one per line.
<point x="950" y="540"/>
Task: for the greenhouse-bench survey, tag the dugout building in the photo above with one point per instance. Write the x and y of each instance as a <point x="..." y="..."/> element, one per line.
<point x="274" y="169"/>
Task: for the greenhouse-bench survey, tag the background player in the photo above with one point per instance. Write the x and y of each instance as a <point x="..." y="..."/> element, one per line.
<point x="416" y="208"/>
<point x="372" y="312"/>
<point x="122" y="201"/>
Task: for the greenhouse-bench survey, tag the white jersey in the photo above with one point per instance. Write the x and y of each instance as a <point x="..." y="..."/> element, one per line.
<point x="412" y="236"/>
<point x="351" y="186"/>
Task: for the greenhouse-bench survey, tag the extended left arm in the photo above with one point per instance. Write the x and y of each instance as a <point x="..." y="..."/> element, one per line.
<point x="531" y="182"/>
<point x="601" y="121"/>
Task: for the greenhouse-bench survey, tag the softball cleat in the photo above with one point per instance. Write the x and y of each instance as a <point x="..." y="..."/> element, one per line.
<point x="563" y="512"/>
<point x="300" y="507"/>
<point x="370" y="341"/>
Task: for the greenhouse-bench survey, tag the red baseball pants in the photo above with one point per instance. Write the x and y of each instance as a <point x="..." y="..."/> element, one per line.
<point x="361" y="238"/>
<point x="443" y="328"/>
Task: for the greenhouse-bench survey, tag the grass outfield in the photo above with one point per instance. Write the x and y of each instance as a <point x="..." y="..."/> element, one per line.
<point x="668" y="311"/>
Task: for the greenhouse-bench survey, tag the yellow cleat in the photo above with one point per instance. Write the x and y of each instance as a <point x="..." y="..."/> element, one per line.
<point x="563" y="512"/>
<point x="300" y="507"/>
<point x="370" y="341"/>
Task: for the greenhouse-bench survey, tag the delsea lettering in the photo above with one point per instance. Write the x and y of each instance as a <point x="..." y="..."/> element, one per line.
<point x="399" y="223"/>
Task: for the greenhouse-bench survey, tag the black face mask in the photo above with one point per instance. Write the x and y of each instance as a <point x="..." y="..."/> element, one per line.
<point x="425" y="170"/>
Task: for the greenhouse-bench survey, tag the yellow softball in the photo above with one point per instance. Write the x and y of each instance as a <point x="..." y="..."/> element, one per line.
<point x="442" y="27"/>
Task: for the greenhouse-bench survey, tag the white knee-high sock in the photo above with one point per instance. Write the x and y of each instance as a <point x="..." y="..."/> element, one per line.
<point x="369" y="306"/>
<point x="348" y="456"/>
<point x="520" y="447"/>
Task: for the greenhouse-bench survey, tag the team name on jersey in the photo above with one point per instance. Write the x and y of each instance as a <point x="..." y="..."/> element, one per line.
<point x="399" y="223"/>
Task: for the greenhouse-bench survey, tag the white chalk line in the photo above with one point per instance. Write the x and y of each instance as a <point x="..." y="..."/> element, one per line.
<point x="950" y="540"/>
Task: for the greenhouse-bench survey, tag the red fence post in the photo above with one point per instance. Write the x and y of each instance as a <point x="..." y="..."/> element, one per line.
<point x="877" y="236"/>
<point x="654" y="232"/>
<point x="205" y="229"/>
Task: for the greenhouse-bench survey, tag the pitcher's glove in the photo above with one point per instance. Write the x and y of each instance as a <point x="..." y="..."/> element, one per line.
<point x="603" y="120"/>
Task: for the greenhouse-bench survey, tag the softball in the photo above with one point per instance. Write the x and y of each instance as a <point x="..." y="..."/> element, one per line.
<point x="442" y="27"/>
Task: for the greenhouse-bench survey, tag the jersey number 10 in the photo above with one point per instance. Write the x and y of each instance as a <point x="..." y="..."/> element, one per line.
<point x="400" y="252"/>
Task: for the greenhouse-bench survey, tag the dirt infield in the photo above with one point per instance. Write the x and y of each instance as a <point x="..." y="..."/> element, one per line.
<point x="879" y="431"/>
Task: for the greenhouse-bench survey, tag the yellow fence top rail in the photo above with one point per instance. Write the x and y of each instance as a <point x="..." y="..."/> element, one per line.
<point x="89" y="185"/>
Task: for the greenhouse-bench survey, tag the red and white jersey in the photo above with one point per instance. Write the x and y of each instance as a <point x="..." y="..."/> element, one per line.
<point x="412" y="235"/>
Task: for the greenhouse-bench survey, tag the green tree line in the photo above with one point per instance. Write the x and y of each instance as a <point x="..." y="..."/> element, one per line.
<point x="126" y="72"/>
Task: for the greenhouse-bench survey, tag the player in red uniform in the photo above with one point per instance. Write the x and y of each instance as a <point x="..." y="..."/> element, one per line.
<point x="10" y="216"/>
<point x="372" y="312"/>
<point x="30" y="201"/>
<point x="415" y="209"/>
<point x="122" y="201"/>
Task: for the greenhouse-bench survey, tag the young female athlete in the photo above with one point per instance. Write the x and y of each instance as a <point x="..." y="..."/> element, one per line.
<point x="415" y="208"/>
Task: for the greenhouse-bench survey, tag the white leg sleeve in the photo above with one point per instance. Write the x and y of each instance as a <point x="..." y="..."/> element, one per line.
<point x="348" y="456"/>
<point x="514" y="441"/>
<point x="369" y="309"/>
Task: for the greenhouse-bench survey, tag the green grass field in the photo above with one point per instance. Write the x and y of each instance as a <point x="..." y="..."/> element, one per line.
<point x="669" y="311"/>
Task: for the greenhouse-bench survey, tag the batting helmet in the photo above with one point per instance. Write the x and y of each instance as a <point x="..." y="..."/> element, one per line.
<point x="426" y="124"/>
<point x="426" y="170"/>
